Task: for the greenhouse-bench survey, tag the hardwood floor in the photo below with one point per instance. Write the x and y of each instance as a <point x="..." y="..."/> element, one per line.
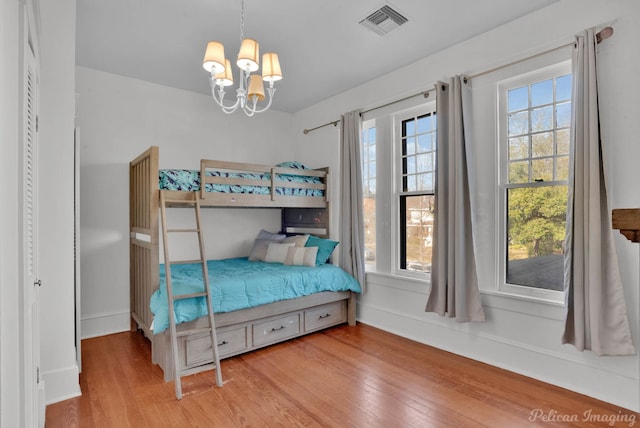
<point x="341" y="377"/>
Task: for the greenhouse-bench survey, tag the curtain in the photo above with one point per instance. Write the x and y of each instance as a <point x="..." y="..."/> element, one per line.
<point x="351" y="212"/>
<point x="454" y="280"/>
<point x="595" y="309"/>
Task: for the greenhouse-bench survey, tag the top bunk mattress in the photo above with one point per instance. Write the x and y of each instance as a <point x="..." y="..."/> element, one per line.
<point x="238" y="283"/>
<point x="233" y="182"/>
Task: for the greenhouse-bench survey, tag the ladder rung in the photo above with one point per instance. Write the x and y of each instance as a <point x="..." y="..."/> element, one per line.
<point x="183" y="230"/>
<point x="193" y="331"/>
<point x="197" y="369"/>
<point x="185" y="262"/>
<point x="179" y="201"/>
<point x="190" y="295"/>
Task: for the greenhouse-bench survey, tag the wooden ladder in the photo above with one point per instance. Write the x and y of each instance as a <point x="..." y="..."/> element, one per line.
<point x="178" y="371"/>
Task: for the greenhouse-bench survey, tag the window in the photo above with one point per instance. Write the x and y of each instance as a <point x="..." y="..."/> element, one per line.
<point x="535" y="118"/>
<point x="369" y="190"/>
<point x="417" y="186"/>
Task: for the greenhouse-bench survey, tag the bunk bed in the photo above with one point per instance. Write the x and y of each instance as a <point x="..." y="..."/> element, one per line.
<point x="302" y="196"/>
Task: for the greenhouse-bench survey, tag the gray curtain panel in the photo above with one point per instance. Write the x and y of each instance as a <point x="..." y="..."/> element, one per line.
<point x="595" y="309"/>
<point x="454" y="280"/>
<point x="351" y="212"/>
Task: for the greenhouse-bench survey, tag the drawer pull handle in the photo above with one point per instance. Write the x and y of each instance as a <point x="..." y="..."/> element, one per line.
<point x="279" y="328"/>
<point x="224" y="342"/>
<point x="324" y="316"/>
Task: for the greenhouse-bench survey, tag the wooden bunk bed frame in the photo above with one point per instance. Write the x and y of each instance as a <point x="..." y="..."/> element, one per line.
<point x="242" y="330"/>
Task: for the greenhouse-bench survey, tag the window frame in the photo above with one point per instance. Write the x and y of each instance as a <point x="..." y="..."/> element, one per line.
<point x="503" y="86"/>
<point x="399" y="196"/>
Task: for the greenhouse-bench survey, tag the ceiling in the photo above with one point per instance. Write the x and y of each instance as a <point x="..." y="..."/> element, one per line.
<point x="323" y="50"/>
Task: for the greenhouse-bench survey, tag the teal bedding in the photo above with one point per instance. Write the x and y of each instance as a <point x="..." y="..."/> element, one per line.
<point x="238" y="283"/>
<point x="189" y="180"/>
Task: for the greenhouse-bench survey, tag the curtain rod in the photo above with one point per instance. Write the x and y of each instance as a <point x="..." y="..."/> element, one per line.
<point x="335" y="122"/>
<point x="603" y="34"/>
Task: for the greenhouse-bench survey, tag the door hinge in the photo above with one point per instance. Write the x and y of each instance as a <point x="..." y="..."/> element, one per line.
<point x="38" y="374"/>
<point x="37" y="122"/>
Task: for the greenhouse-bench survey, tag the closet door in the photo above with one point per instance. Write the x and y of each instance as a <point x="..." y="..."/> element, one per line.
<point x="33" y="388"/>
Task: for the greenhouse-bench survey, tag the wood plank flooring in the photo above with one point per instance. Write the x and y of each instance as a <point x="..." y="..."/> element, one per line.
<point x="341" y="377"/>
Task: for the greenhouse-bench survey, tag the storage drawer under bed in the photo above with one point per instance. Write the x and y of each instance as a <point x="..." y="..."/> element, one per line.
<point x="198" y="348"/>
<point x="276" y="329"/>
<point x="325" y="315"/>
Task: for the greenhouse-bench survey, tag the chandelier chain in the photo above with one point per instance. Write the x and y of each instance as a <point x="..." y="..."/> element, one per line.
<point x="241" y="21"/>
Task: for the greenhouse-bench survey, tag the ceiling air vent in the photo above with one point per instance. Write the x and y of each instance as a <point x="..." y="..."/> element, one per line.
<point x="383" y="20"/>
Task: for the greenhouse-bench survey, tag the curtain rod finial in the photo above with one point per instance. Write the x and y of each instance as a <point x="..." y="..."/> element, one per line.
<point x="605" y="33"/>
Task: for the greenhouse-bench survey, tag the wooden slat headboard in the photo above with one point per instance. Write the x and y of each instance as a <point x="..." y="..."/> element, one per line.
<point x="144" y="236"/>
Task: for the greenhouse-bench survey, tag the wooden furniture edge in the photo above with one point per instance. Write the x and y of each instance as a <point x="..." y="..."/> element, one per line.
<point x="627" y="221"/>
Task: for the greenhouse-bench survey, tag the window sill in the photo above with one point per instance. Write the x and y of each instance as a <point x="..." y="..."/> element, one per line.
<point x="551" y="309"/>
<point x="500" y="300"/>
<point x="397" y="281"/>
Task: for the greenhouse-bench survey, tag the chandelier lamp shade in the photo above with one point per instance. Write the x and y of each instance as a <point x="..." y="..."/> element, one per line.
<point x="251" y="88"/>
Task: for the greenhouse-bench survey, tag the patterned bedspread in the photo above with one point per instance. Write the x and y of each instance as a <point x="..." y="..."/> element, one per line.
<point x="189" y="180"/>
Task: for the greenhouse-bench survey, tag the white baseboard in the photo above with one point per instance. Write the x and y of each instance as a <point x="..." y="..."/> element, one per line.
<point x="103" y="324"/>
<point x="61" y="384"/>
<point x="534" y="362"/>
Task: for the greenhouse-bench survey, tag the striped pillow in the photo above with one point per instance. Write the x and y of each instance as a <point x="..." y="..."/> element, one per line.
<point x="301" y="256"/>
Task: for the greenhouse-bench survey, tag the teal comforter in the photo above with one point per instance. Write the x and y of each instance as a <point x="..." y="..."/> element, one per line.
<point x="239" y="284"/>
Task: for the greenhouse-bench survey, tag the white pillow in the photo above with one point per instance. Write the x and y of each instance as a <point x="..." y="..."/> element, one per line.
<point x="301" y="256"/>
<point x="276" y="252"/>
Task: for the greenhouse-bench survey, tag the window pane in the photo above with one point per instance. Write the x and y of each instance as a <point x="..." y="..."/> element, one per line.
<point x="369" y="209"/>
<point x="518" y="99"/>
<point x="372" y="151"/>
<point x="424" y="124"/>
<point x="519" y="123"/>
<point x="410" y="184"/>
<point x="542" y="144"/>
<point x="562" y="142"/>
<point x="536" y="230"/>
<point x="519" y="148"/>
<point x="562" y="168"/>
<point x="563" y="115"/>
<point x="424" y="143"/>
<point x="410" y="144"/>
<point x="410" y="163"/>
<point x="409" y="127"/>
<point x="541" y="119"/>
<point x="418" y="232"/>
<point x="563" y="88"/>
<point x="542" y="93"/>
<point x="542" y="169"/>
<point x="425" y="163"/>
<point x="369" y="171"/>
<point x="518" y="172"/>
<point x="425" y="182"/>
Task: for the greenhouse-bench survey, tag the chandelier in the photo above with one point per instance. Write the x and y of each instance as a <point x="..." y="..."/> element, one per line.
<point x="251" y="86"/>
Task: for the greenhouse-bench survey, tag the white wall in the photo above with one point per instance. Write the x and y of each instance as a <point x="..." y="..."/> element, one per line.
<point x="59" y="367"/>
<point x="119" y="118"/>
<point x="519" y="335"/>
<point x="10" y="289"/>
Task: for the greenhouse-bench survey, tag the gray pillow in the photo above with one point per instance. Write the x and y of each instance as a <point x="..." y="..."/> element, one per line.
<point x="261" y="244"/>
